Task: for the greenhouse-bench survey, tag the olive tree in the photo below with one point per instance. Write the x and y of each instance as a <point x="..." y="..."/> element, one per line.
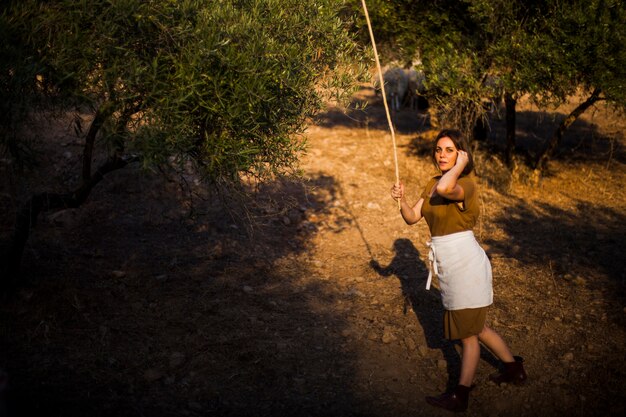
<point x="224" y="86"/>
<point x="589" y="52"/>
<point x="546" y="50"/>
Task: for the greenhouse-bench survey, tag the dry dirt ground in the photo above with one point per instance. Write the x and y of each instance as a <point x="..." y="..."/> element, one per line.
<point x="137" y="305"/>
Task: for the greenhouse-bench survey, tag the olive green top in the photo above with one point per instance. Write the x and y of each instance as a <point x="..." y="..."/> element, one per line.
<point x="445" y="216"/>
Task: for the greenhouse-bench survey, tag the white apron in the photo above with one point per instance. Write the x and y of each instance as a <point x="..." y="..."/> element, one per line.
<point x="463" y="269"/>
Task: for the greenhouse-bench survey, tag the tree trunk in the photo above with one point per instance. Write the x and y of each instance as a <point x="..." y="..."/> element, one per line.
<point x="433" y="116"/>
<point x="541" y="162"/>
<point x="510" y="104"/>
<point x="481" y="128"/>
<point x="101" y="116"/>
<point x="27" y="216"/>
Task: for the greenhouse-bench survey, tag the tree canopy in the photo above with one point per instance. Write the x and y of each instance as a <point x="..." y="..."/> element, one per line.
<point x="226" y="84"/>
<point x="545" y="49"/>
<point x="224" y="87"/>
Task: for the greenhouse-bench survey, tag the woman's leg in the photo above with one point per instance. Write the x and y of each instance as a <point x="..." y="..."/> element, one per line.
<point x="494" y="342"/>
<point x="513" y="371"/>
<point x="457" y="400"/>
<point x="469" y="360"/>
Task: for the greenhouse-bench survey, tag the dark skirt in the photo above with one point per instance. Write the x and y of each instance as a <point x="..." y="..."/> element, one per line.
<point x="459" y="324"/>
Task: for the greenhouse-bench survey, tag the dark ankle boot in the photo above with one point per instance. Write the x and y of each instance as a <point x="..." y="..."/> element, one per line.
<point x="453" y="401"/>
<point x="513" y="373"/>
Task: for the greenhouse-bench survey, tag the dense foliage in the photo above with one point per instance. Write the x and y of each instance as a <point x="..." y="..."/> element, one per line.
<point x="226" y="84"/>
<point x="223" y="88"/>
<point x="545" y="49"/>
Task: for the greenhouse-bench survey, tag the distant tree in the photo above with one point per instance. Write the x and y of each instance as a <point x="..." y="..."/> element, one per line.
<point x="225" y="86"/>
<point x="545" y="49"/>
<point x="589" y="44"/>
<point x="551" y="50"/>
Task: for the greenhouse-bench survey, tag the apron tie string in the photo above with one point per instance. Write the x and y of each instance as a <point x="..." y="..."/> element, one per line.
<point x="432" y="260"/>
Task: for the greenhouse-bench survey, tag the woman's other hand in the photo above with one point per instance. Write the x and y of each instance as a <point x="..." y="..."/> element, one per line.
<point x="462" y="159"/>
<point x="397" y="191"/>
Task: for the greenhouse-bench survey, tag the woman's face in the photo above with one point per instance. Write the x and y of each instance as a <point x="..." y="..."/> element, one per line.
<point x="445" y="154"/>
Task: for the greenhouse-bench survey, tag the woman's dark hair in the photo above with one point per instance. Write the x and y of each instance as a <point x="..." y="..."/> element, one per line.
<point x="459" y="143"/>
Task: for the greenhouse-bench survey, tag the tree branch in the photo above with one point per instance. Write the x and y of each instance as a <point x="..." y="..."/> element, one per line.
<point x="550" y="146"/>
<point x="510" y="103"/>
<point x="101" y="115"/>
<point x="27" y="215"/>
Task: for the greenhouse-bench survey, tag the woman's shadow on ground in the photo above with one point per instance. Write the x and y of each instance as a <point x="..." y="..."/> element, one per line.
<point x="412" y="273"/>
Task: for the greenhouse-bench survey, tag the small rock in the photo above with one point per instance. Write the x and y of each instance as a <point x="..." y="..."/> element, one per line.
<point x="410" y="343"/>
<point x="152" y="375"/>
<point x="372" y="336"/>
<point x="580" y="281"/>
<point x="177" y="359"/>
<point x="423" y="350"/>
<point x="63" y="217"/>
<point x="217" y="251"/>
<point x="294" y="216"/>
<point x="355" y="292"/>
<point x="388" y="336"/>
<point x="442" y="364"/>
<point x="118" y="274"/>
<point x="568" y="357"/>
<point x="373" y="206"/>
<point x="26" y="295"/>
<point x="286" y="221"/>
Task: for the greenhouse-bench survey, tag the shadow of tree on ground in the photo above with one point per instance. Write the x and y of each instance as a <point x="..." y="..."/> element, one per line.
<point x="149" y="312"/>
<point x="583" y="140"/>
<point x="589" y="237"/>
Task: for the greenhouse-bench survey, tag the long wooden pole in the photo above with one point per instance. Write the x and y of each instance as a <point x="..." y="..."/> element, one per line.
<point x="382" y="87"/>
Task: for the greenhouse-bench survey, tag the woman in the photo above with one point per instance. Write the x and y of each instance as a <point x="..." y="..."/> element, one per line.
<point x="449" y="203"/>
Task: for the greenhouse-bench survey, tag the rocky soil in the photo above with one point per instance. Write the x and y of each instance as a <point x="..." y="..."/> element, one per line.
<point x="145" y="303"/>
